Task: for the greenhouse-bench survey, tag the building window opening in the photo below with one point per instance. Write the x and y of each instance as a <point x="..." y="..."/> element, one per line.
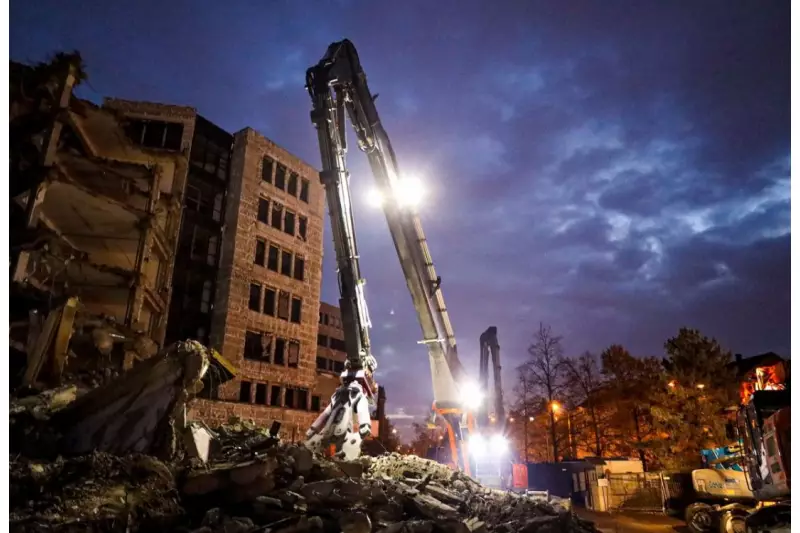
<point x="272" y="262"/>
<point x="253" y="346"/>
<point x="244" y="391"/>
<point x="205" y="297"/>
<point x="269" y="302"/>
<point x="277" y="215"/>
<point x="263" y="210"/>
<point x="291" y="187"/>
<point x="315" y="403"/>
<point x="213" y="248"/>
<point x="275" y="396"/>
<point x="217" y="215"/>
<point x="288" y="223"/>
<point x="283" y="305"/>
<point x="297" y="306"/>
<point x="267" y="166"/>
<point x="192" y="198"/>
<point x="294" y="354"/>
<point x="254" y="303"/>
<point x="280" y="351"/>
<point x="338" y="345"/>
<point x="286" y="263"/>
<point x="261" y="394"/>
<point x="302" y="227"/>
<point x="302" y="399"/>
<point x="288" y="399"/>
<point x="280" y="177"/>
<point x="261" y="252"/>
<point x="304" y="191"/>
<point x="299" y="268"/>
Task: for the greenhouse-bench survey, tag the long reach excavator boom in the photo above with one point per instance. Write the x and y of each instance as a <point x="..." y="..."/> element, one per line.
<point x="338" y="89"/>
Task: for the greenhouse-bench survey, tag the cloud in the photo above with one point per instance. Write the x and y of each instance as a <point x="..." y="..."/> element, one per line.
<point x="616" y="185"/>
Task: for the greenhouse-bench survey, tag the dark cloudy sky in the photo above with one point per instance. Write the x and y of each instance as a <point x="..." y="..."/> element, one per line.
<point x="615" y="169"/>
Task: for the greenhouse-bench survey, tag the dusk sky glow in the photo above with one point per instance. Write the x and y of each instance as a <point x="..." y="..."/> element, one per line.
<point x="614" y="169"/>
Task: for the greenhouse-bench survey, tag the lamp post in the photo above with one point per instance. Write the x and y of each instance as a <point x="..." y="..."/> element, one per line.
<point x="556" y="407"/>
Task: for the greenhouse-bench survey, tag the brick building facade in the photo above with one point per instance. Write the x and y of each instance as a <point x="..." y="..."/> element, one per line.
<point x="265" y="316"/>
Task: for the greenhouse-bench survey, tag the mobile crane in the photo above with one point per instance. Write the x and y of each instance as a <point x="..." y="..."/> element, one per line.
<point x="338" y="86"/>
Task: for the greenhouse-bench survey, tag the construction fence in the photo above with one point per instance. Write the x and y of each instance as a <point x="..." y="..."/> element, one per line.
<point x="645" y="492"/>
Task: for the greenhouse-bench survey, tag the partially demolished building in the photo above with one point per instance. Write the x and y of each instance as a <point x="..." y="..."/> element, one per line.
<point x="135" y="225"/>
<point x="95" y="213"/>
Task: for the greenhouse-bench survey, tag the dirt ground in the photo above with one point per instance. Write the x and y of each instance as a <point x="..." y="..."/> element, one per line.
<point x="631" y="522"/>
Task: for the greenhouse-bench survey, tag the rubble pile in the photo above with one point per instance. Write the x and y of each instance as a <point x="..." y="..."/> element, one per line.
<point x="96" y="492"/>
<point x="87" y="462"/>
<point x="283" y="488"/>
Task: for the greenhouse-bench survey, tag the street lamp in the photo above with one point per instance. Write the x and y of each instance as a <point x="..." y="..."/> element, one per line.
<point x="557" y="407"/>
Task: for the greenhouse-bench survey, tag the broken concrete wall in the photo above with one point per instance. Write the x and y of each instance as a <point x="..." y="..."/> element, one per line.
<point x="96" y="214"/>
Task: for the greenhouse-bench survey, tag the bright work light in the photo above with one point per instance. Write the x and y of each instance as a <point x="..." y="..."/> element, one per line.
<point x="477" y="445"/>
<point x="471" y="395"/>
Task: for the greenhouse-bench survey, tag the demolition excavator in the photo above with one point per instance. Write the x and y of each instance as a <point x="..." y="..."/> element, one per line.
<point x="488" y="444"/>
<point x="338" y="89"/>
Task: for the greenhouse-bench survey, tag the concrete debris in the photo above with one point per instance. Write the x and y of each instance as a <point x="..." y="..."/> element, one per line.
<point x="237" y="478"/>
<point x="134" y="413"/>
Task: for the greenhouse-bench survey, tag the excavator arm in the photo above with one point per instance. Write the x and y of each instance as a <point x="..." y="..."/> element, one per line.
<point x="491" y="348"/>
<point x="338" y="86"/>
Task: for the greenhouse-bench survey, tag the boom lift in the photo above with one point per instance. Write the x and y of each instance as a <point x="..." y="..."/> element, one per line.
<point x="338" y="85"/>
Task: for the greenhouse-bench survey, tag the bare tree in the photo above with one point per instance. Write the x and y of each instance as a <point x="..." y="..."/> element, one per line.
<point x="584" y="380"/>
<point x="524" y="395"/>
<point x="544" y="373"/>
